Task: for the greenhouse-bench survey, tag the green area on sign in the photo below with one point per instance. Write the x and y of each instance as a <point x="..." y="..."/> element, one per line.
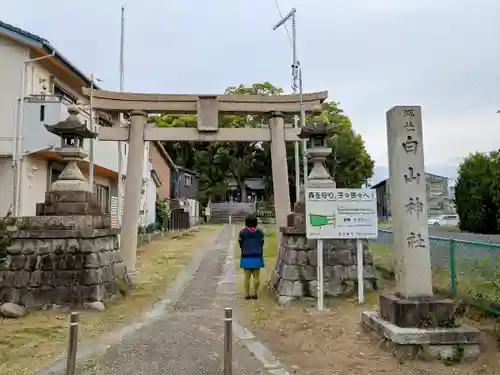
<point x="321" y="220"/>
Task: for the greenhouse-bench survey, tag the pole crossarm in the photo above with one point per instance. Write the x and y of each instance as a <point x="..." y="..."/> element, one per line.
<point x="193" y="134"/>
<point x="111" y="101"/>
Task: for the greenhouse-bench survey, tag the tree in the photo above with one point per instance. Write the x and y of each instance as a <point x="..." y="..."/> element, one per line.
<point x="477" y="193"/>
<point x="240" y="159"/>
<point x="182" y="153"/>
<point x="212" y="181"/>
<point x="349" y="163"/>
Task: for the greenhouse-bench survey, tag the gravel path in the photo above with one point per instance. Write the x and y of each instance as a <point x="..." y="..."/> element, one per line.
<point x="188" y="339"/>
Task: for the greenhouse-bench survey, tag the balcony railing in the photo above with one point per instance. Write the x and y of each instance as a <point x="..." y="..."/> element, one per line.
<point x="101" y="119"/>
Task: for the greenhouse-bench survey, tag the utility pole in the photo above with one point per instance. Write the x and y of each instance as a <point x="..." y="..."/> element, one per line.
<point x="295" y="77"/>
<point x="120" y="144"/>
<point x="302" y="124"/>
<point x="93" y="79"/>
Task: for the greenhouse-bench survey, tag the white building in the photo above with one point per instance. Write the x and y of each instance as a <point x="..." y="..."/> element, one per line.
<point x="51" y="83"/>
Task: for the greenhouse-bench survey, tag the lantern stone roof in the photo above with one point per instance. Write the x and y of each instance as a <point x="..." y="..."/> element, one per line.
<point x="72" y="126"/>
<point x="318" y="128"/>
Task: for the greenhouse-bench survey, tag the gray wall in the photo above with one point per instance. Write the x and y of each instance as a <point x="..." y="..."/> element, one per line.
<point x="181" y="187"/>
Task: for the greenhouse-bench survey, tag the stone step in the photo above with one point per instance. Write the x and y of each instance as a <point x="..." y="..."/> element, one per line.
<point x="226" y="217"/>
<point x="234" y="213"/>
<point x="219" y="219"/>
<point x="225" y="221"/>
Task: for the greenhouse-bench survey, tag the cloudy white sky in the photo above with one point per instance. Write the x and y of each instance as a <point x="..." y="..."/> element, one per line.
<point x="369" y="54"/>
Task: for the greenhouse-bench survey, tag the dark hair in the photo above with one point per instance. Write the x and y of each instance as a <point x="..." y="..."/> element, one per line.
<point x="251" y="221"/>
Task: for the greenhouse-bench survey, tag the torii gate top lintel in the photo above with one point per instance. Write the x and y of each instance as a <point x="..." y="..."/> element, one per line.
<point x="208" y="107"/>
<point x="111" y="101"/>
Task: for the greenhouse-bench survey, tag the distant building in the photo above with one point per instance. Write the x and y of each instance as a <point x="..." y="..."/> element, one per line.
<point x="185" y="183"/>
<point x="438" y="196"/>
<point x="163" y="168"/>
<point x="255" y="189"/>
<point x="185" y="192"/>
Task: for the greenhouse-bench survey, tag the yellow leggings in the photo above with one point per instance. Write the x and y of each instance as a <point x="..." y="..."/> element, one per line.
<point x="251" y="273"/>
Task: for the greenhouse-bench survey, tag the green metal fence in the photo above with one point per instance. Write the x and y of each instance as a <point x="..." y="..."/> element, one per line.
<point x="461" y="269"/>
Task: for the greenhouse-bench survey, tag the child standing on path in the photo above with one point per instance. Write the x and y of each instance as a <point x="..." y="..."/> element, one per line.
<point x="251" y="240"/>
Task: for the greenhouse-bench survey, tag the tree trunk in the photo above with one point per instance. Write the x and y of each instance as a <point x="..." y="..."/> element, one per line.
<point x="243" y="191"/>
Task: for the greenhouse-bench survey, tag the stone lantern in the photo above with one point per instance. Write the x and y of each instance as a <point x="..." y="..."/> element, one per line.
<point x="69" y="254"/>
<point x="71" y="194"/>
<point x="317" y="133"/>
<point x="72" y="132"/>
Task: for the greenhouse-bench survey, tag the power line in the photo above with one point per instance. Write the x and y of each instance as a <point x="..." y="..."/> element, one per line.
<point x="286" y="28"/>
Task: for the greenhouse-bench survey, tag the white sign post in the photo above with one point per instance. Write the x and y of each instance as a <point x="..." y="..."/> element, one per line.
<point x="361" y="278"/>
<point x="319" y="272"/>
<point x="341" y="214"/>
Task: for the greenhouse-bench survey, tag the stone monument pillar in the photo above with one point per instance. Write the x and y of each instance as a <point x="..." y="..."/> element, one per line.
<point x="413" y="317"/>
<point x="409" y="202"/>
<point x="68" y="253"/>
<point x="295" y="272"/>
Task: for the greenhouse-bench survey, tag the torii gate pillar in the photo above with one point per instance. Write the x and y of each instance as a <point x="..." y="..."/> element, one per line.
<point x="132" y="207"/>
<point x="279" y="168"/>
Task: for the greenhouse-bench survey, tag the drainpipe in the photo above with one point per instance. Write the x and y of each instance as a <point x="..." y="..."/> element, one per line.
<point x="18" y="134"/>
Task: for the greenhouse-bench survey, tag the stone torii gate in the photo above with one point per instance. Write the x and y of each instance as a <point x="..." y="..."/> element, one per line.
<point x="208" y="108"/>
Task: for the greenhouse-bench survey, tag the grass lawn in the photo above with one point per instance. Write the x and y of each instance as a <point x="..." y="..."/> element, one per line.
<point x="42" y="336"/>
<point x="384" y="225"/>
<point x="332" y="342"/>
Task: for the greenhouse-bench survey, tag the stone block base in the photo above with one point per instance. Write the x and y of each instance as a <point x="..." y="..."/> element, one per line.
<point x="68" y="203"/>
<point x="419" y="313"/>
<point x="448" y="344"/>
<point x="295" y="274"/>
<point x="62" y="260"/>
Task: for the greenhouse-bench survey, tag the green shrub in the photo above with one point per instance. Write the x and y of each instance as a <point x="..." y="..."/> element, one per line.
<point x="477" y="193"/>
<point x="162" y="214"/>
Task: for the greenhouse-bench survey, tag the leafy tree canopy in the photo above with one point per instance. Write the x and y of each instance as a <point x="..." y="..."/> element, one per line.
<point x="477" y="193"/>
<point x="220" y="162"/>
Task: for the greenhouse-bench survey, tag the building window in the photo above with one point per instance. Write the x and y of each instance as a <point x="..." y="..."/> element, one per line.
<point x="63" y="94"/>
<point x="102" y="194"/>
<point x="189" y="179"/>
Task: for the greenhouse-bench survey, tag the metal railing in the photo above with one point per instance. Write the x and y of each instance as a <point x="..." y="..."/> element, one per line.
<point x="466" y="270"/>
